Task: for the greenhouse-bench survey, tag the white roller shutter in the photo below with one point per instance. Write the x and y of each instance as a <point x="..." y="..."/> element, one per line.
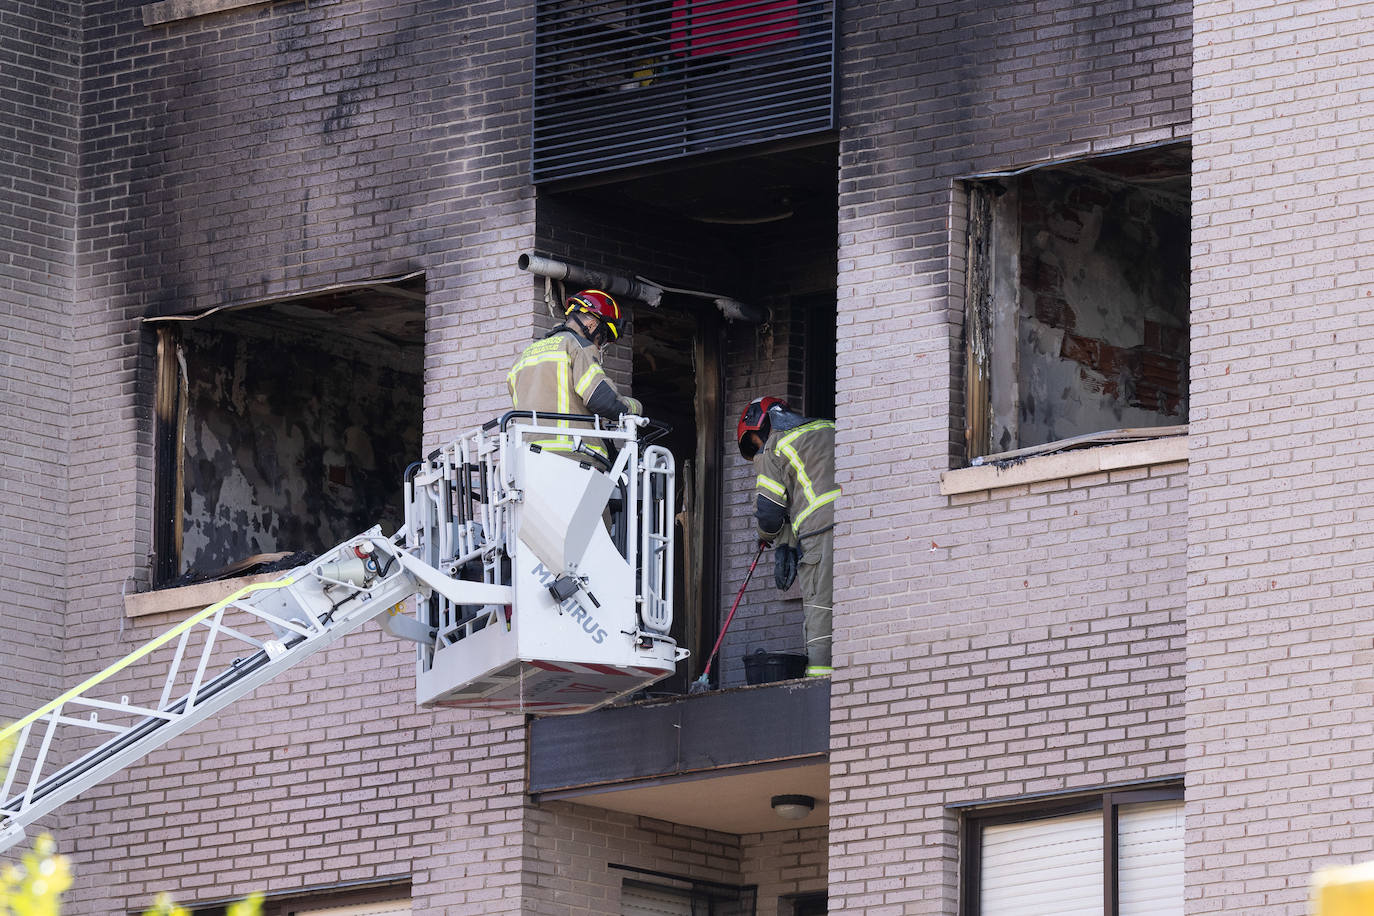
<point x="1150" y="859"/>
<point x="637" y="900"/>
<point x="1047" y="867"/>
<point x="389" y="908"/>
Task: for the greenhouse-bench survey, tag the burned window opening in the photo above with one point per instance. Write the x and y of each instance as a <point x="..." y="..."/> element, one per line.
<point x="1076" y="301"/>
<point x="676" y="373"/>
<point x="284" y="428"/>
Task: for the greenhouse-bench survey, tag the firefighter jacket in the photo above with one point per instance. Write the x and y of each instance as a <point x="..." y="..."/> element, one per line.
<point x="796" y="480"/>
<point x="560" y="373"/>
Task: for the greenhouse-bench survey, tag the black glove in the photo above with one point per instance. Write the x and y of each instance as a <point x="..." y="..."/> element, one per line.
<point x="785" y="559"/>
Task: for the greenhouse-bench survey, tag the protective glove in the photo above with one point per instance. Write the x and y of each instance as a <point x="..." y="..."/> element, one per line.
<point x="785" y="559"/>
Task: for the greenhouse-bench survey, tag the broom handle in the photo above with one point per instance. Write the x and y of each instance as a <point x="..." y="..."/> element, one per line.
<point x="731" y="616"/>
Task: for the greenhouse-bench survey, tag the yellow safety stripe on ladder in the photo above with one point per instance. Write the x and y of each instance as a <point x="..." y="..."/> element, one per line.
<point x="139" y="653"/>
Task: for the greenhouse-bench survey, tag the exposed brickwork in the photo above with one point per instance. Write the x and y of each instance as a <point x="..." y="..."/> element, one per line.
<point x="1001" y="644"/>
<point x="253" y="153"/>
<point x="782" y="863"/>
<point x="39" y="54"/>
<point x="576" y="844"/>
<point x="1280" y="716"/>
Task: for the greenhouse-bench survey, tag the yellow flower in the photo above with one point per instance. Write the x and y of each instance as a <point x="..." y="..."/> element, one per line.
<point x="163" y="906"/>
<point x="36" y="888"/>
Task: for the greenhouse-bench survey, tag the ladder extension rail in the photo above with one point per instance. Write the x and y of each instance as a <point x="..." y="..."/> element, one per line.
<point x="304" y="611"/>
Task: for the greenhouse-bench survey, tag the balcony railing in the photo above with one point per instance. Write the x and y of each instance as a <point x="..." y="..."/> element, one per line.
<point x="623" y="83"/>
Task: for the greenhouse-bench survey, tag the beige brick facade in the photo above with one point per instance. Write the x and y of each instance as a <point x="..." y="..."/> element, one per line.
<point x="1145" y="621"/>
<point x="1279" y="625"/>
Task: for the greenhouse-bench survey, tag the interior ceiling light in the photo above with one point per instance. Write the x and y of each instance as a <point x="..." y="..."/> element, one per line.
<point x="793" y="807"/>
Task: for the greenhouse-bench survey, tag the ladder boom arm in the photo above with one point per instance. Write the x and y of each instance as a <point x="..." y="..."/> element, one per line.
<point x="303" y="612"/>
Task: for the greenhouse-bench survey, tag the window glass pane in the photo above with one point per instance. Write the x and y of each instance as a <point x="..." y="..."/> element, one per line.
<point x="1150" y="859"/>
<point x="643" y="901"/>
<point x="1047" y="867"/>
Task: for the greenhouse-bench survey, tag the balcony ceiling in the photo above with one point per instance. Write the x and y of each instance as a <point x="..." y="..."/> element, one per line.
<point x="730" y="801"/>
<point x="709" y="760"/>
<point x="763" y="188"/>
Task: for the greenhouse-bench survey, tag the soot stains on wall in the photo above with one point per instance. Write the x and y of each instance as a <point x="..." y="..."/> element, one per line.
<point x="1104" y="307"/>
<point x="294" y="441"/>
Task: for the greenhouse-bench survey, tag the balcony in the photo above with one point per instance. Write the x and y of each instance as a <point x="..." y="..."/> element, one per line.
<point x="712" y="760"/>
<point x="627" y="83"/>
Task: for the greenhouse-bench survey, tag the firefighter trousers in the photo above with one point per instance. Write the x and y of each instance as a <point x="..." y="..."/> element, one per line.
<point x="815" y="573"/>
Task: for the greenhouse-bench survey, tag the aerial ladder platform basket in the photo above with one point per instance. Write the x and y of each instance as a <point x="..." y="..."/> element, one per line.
<point x="534" y="571"/>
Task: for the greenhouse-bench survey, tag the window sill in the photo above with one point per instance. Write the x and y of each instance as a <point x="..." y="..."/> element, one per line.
<point x="1094" y="460"/>
<point x="189" y="598"/>
<point x="166" y="11"/>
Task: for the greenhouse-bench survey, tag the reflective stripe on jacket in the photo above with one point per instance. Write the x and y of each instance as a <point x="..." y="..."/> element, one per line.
<point x="560" y="374"/>
<point x="796" y="471"/>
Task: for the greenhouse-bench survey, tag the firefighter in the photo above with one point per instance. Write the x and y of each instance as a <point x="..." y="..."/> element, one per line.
<point x="561" y="372"/>
<point x="794" y="460"/>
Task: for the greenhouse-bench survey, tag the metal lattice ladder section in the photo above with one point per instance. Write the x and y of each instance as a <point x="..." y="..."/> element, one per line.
<point x="281" y="623"/>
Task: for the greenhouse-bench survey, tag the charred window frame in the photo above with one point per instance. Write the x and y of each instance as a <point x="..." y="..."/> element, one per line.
<point x="1108" y="805"/>
<point x="1076" y="302"/>
<point x="169" y="427"/>
<point x="281" y="426"/>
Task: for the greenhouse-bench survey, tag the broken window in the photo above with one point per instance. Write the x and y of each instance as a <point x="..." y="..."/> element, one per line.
<point x="284" y="427"/>
<point x="1076" y="292"/>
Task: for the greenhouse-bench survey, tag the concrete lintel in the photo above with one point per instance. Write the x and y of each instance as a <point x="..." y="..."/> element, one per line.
<point x="1065" y="464"/>
<point x="189" y="598"/>
<point x="171" y="10"/>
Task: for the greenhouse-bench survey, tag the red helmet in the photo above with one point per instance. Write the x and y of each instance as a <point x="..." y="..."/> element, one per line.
<point x="595" y="302"/>
<point x="755" y="420"/>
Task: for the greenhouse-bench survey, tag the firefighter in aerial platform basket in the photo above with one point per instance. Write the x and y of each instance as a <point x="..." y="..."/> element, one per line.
<point x="794" y="460"/>
<point x="562" y="373"/>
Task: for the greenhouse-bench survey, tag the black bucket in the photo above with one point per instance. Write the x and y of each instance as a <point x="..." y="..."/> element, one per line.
<point x="764" y="667"/>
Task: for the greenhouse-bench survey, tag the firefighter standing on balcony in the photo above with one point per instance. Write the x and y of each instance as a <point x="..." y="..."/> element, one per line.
<point x="562" y="373"/>
<point x="794" y="458"/>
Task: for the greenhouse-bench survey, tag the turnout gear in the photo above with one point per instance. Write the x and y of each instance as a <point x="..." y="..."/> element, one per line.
<point x="600" y="306"/>
<point x="560" y="373"/>
<point x="795" y="495"/>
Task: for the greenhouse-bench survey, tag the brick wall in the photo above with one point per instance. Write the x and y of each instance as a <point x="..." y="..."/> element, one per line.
<point x="39" y="47"/>
<point x="571" y="873"/>
<point x="1279" y="627"/>
<point x="995" y="645"/>
<point x="266" y="151"/>
<point x="782" y="863"/>
<point x="789" y="260"/>
<point x="579" y="847"/>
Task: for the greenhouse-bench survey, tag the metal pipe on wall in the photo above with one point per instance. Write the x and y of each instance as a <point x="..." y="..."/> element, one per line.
<point x="615" y="284"/>
<point x="636" y="288"/>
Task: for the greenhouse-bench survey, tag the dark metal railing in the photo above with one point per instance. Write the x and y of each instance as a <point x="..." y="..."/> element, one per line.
<point x="622" y="83"/>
